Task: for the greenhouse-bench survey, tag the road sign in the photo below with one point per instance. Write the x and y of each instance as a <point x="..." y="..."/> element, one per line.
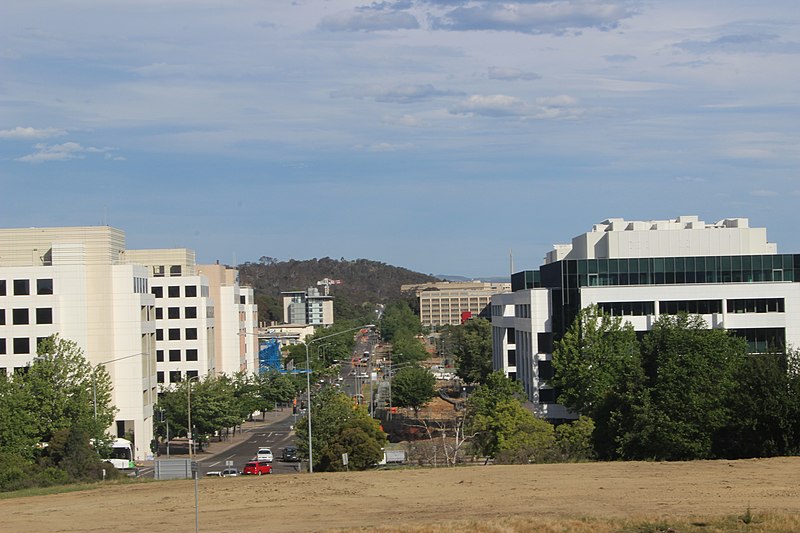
<point x="344" y="459"/>
<point x="228" y="463"/>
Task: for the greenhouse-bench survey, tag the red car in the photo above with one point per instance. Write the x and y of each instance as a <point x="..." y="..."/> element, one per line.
<point x="256" y="468"/>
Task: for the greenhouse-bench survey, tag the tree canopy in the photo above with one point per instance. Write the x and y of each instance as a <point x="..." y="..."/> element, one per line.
<point x="414" y="387"/>
<point x="471" y="344"/>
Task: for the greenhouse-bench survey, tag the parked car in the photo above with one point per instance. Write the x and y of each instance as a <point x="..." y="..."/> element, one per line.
<point x="264" y="454"/>
<point x="256" y="468"/>
<point x="228" y="472"/>
<point x="290" y="455"/>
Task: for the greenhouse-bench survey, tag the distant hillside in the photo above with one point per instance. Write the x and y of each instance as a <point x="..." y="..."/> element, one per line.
<point x="363" y="283"/>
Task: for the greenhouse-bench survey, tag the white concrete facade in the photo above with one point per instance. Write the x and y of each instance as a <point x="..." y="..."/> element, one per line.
<point x="75" y="282"/>
<point x="727" y="272"/>
<point x="307" y="307"/>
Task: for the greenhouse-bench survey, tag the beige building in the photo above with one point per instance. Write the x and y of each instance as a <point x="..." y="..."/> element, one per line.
<point x="307" y="307"/>
<point x="76" y="282"/>
<point x="236" y="343"/>
<point x="442" y="303"/>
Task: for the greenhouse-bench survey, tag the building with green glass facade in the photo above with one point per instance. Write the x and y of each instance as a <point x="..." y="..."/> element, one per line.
<point x="727" y="272"/>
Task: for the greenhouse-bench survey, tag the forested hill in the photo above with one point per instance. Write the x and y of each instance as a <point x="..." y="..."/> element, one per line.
<point x="362" y="282"/>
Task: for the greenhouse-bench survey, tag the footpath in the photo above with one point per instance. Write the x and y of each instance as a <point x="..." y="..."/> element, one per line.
<point x="179" y="448"/>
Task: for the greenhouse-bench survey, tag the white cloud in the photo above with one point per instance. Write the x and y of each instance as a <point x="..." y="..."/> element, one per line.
<point x="512" y="74"/>
<point x="63" y="152"/>
<point x="398" y="94"/>
<point x="500" y="105"/>
<point x="369" y="21"/>
<point x="383" y="147"/>
<point x="764" y="193"/>
<point x="26" y="133"/>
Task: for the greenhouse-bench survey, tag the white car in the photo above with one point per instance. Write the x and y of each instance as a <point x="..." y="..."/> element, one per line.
<point x="264" y="454"/>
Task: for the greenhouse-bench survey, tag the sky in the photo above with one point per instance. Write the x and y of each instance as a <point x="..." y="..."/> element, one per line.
<point x="444" y="136"/>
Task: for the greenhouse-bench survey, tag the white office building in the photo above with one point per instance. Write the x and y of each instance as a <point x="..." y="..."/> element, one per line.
<point x="236" y="342"/>
<point x="727" y="272"/>
<point x="76" y="282"/>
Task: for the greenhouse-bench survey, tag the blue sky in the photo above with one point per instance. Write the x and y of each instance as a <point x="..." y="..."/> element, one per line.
<point x="437" y="135"/>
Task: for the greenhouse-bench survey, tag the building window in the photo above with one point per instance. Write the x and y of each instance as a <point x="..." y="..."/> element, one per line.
<point x="158" y="271"/>
<point x="44" y="286"/>
<point x="159" y="334"/>
<point x="547" y="396"/>
<point x="512" y="358"/>
<point x="190" y="312"/>
<point x="544" y="342"/>
<point x="158" y="292"/>
<point x="191" y="374"/>
<point x="160" y="377"/>
<point x="19" y="317"/>
<point x="159" y="356"/>
<point x="191" y="354"/>
<point x="2" y="287"/>
<point x="174" y="334"/>
<point x="756" y="305"/>
<point x="173" y="312"/>
<point x="22" y="345"/>
<point x="22" y="287"/>
<point x="174" y="376"/>
<point x="44" y="315"/>
<point x="2" y="317"/>
<point x="191" y="334"/>
<point x="2" y="346"/>
<point x="191" y="291"/>
<point x="511" y="336"/>
<point x="694" y="307"/>
<point x="175" y="270"/>
<point x="242" y="300"/>
<point x="173" y="291"/>
<point x="628" y="308"/>
<point x="159" y="313"/>
<point x="174" y="355"/>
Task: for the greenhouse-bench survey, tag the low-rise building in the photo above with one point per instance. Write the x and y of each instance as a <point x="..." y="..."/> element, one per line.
<point x="449" y="302"/>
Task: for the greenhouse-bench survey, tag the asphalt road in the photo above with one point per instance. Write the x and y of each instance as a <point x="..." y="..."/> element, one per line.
<point x="276" y="436"/>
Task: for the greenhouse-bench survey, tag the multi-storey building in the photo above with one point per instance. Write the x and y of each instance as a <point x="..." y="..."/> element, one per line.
<point x="76" y="282"/>
<point x="307" y="307"/>
<point x="727" y="272"/>
<point x="236" y="342"/>
<point x="448" y="302"/>
<point x="185" y="321"/>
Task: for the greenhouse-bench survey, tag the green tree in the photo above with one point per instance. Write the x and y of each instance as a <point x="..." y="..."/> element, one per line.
<point x="684" y="398"/>
<point x="765" y="409"/>
<point x="272" y="388"/>
<point x="399" y="318"/>
<point x="574" y="440"/>
<point x="334" y="421"/>
<point x="361" y="439"/>
<point x="590" y="357"/>
<point x="495" y="415"/>
<point x="471" y="344"/>
<point x="414" y="387"/>
<point x="407" y="348"/>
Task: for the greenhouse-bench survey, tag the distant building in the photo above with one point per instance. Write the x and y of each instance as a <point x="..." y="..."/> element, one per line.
<point x="307" y="307"/>
<point x="727" y="272"/>
<point x="446" y="302"/>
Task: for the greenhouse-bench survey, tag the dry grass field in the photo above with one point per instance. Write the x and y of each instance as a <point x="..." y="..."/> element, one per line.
<point x="751" y="495"/>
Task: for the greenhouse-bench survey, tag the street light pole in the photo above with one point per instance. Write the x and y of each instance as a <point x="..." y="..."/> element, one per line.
<point x="189" y="412"/>
<point x="308" y="388"/>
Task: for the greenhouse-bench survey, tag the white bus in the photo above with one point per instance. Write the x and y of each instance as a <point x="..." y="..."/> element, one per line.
<point x="122" y="455"/>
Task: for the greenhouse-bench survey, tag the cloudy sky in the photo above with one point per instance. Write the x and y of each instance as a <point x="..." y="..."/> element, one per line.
<point x="437" y="135"/>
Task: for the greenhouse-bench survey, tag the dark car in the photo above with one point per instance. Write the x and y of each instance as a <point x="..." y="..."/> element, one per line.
<point x="256" y="468"/>
<point x="290" y="455"/>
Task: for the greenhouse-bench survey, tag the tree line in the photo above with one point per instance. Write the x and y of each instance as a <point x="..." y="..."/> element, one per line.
<point x="683" y="391"/>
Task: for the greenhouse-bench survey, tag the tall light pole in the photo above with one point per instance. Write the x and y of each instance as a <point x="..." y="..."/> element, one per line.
<point x="308" y="387"/>
<point x="189" y="411"/>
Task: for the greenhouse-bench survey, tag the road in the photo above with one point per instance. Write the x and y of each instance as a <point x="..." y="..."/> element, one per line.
<point x="276" y="436"/>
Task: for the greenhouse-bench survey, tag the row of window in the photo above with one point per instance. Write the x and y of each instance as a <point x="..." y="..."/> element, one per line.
<point x="174" y="291"/>
<point x="176" y="376"/>
<point x="695" y="307"/>
<point x="19" y="345"/>
<point x="175" y="312"/>
<point x="522" y="311"/>
<point x="174" y="334"/>
<point x="21" y="317"/>
<point x="175" y="355"/>
<point x="22" y="287"/>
